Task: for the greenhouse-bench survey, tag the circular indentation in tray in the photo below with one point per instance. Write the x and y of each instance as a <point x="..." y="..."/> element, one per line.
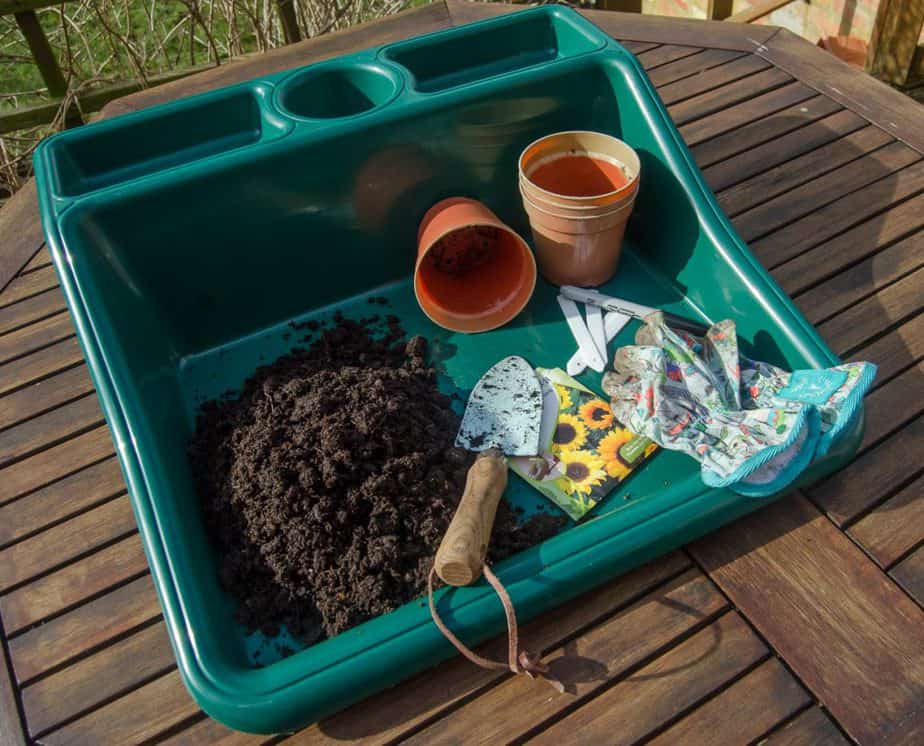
<point x="332" y="91"/>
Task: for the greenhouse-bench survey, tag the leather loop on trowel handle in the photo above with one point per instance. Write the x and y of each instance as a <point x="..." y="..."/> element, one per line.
<point x="461" y="554"/>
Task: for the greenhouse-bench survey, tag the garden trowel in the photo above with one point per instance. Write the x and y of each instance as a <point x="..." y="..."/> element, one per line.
<point x="502" y="418"/>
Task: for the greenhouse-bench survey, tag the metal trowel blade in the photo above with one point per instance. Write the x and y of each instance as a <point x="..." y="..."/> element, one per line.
<point x="504" y="410"/>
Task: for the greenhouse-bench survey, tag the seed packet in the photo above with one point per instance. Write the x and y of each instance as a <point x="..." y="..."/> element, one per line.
<point x="586" y="452"/>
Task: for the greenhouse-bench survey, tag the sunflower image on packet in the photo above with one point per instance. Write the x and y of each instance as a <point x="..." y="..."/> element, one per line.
<point x="585" y="453"/>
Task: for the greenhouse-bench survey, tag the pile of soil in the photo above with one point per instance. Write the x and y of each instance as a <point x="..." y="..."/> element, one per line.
<point x="328" y="482"/>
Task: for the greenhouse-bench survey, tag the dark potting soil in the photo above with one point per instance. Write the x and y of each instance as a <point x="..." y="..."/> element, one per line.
<point x="328" y="483"/>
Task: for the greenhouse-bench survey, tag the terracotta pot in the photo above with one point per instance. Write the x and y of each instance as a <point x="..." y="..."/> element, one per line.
<point x="473" y="272"/>
<point x="609" y="153"/>
<point x="581" y="251"/>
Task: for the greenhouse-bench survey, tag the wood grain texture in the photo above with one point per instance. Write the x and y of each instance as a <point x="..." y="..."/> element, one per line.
<point x="852" y="286"/>
<point x="893" y="405"/>
<point x="49" y="429"/>
<point x="829" y="612"/>
<point x="138" y="716"/>
<point x="62" y="543"/>
<point x="45" y="362"/>
<point x="73" y="584"/>
<point x="384" y="717"/>
<point x="50" y="465"/>
<point x="744" y="712"/>
<point x="85" y="685"/>
<point x="897" y="350"/>
<point x="910" y="574"/>
<point x="800" y="169"/>
<point x="884" y="469"/>
<point x="10" y="724"/>
<point x="727" y="95"/>
<point x="41" y="259"/>
<point x="895" y="113"/>
<point x="36" y="335"/>
<point x="84" y="629"/>
<point x="664" y="55"/>
<point x="839" y="216"/>
<point x="20" y="232"/>
<point x="208" y="732"/>
<point x="694" y="65"/>
<point x="855" y="244"/>
<point x="44" y="395"/>
<point x="804" y="200"/>
<point x="26" y="285"/>
<point x="707" y="80"/>
<point x="662" y="690"/>
<point x="763" y="134"/>
<point x="30" y="310"/>
<point x="586" y="665"/>
<point x="865" y="319"/>
<point x="895" y="527"/>
<point x="60" y="500"/>
<point x="734" y="118"/>
<point x="811" y="728"/>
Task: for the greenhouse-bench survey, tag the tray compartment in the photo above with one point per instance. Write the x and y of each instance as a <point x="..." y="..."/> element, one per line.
<point x="331" y="91"/>
<point x="183" y="285"/>
<point x="126" y="148"/>
<point x="456" y="57"/>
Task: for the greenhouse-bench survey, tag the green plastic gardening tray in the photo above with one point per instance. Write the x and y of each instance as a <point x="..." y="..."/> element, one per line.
<point x="188" y="236"/>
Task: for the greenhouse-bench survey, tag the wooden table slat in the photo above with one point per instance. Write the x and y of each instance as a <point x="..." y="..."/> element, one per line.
<point x="11" y="733"/>
<point x="665" y="54"/>
<point x="36" y="335"/>
<point x="707" y="80"/>
<point x="55" y="463"/>
<point x="20" y="230"/>
<point x="664" y="689"/>
<point x="910" y="573"/>
<point x="691" y="65"/>
<point x="866" y="319"/>
<point x="744" y="712"/>
<point x="30" y="310"/>
<point x="103" y="676"/>
<point x="829" y="612"/>
<point x="85" y="628"/>
<point x="141" y="715"/>
<point x="895" y="527"/>
<point x="811" y="728"/>
<point x="813" y="195"/>
<point x="73" y="584"/>
<point x="727" y="95"/>
<point x="208" y="732"/>
<point x="46" y="362"/>
<point x="895" y="351"/>
<point x="872" y="476"/>
<point x="839" y="216"/>
<point x="891" y="406"/>
<point x="862" y="280"/>
<point x="44" y="395"/>
<point x="41" y="259"/>
<point x="49" y="429"/>
<point x="60" y="500"/>
<point x="773" y="138"/>
<point x="854" y="245"/>
<point x="734" y="118"/>
<point x="388" y="715"/>
<point x="800" y="169"/>
<point x="585" y="665"/>
<point x="26" y="285"/>
<point x="55" y="547"/>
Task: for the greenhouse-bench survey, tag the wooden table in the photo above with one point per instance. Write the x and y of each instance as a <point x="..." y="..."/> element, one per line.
<point x="802" y="623"/>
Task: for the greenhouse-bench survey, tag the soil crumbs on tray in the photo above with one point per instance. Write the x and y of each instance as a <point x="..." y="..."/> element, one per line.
<point x="328" y="483"/>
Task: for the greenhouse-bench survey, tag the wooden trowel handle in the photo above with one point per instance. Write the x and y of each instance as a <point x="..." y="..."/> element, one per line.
<point x="461" y="554"/>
